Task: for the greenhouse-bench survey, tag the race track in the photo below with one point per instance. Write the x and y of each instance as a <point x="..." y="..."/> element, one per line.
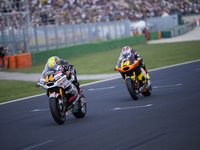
<point x="167" y="120"/>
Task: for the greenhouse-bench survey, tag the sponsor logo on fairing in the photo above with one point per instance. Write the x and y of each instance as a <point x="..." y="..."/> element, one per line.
<point x="63" y="79"/>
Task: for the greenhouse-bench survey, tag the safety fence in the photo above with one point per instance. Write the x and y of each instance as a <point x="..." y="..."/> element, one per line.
<point x="178" y="30"/>
<point x="29" y="39"/>
<point x="156" y="24"/>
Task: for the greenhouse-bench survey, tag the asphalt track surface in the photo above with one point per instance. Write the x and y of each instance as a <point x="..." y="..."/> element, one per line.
<point x="166" y="120"/>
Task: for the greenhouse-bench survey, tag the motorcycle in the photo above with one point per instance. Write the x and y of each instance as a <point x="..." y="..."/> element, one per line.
<point x="135" y="76"/>
<point x="64" y="98"/>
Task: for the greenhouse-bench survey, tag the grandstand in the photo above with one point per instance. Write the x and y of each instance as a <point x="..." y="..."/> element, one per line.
<point x="45" y="12"/>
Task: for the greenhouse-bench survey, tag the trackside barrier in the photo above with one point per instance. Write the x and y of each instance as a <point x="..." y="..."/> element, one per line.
<point x="20" y="61"/>
<point x="176" y="31"/>
<point x="155" y="35"/>
<point x="12" y="64"/>
<point x="77" y="50"/>
<point x="24" y="60"/>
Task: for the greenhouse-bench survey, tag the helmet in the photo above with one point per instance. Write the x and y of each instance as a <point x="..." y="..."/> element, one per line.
<point x="126" y="50"/>
<point x="53" y="61"/>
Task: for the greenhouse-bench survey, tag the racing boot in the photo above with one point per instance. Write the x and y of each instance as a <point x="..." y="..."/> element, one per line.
<point x="81" y="92"/>
<point x="148" y="77"/>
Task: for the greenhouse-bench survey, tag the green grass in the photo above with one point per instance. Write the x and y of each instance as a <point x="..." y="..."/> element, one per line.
<point x="11" y="89"/>
<point x="154" y="55"/>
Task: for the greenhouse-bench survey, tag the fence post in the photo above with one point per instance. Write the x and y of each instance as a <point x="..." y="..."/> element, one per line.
<point x="46" y="37"/>
<point x="65" y="35"/>
<point x="74" y="34"/>
<point x="2" y="36"/>
<point x="90" y="32"/>
<point x="24" y="38"/>
<point x="56" y="35"/>
<point x="121" y="30"/>
<point x="36" y="40"/>
<point x="14" y="42"/>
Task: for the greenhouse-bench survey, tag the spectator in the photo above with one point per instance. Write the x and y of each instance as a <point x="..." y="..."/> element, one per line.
<point x="2" y="55"/>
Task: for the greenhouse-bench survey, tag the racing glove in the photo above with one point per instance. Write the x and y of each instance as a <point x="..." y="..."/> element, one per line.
<point x="68" y="73"/>
<point x="138" y="59"/>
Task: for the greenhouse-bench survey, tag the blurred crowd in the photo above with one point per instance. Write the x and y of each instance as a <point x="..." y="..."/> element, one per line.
<point x="44" y="12"/>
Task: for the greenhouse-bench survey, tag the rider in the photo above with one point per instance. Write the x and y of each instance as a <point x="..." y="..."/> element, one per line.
<point x="127" y="50"/>
<point x="137" y="56"/>
<point x="68" y="69"/>
<point x="2" y="55"/>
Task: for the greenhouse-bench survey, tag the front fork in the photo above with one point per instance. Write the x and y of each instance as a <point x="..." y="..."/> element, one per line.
<point x="134" y="79"/>
<point x="58" y="96"/>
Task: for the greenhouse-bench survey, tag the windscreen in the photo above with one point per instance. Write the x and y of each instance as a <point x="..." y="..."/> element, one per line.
<point x="48" y="70"/>
<point x="126" y="60"/>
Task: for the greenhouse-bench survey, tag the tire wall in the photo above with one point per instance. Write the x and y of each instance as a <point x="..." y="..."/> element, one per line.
<point x="20" y="61"/>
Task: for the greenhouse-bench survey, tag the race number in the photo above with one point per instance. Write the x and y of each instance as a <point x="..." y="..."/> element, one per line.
<point x="125" y="63"/>
<point x="49" y="78"/>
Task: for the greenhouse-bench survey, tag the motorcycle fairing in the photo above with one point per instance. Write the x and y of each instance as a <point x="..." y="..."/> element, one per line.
<point x="126" y="63"/>
<point x="142" y="76"/>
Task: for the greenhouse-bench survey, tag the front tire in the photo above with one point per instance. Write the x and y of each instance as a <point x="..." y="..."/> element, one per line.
<point x="131" y="90"/>
<point x="56" y="111"/>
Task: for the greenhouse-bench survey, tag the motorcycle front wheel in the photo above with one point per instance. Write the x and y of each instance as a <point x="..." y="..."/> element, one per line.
<point x="56" y="110"/>
<point x="131" y="90"/>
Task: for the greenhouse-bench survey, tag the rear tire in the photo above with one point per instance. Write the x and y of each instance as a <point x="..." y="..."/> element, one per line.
<point x="148" y="90"/>
<point x="131" y="90"/>
<point x="81" y="109"/>
<point x="57" y="113"/>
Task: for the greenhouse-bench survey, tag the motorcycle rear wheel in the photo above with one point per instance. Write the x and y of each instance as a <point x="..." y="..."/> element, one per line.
<point x="57" y="113"/>
<point x="81" y="109"/>
<point x="148" y="90"/>
<point x="131" y="90"/>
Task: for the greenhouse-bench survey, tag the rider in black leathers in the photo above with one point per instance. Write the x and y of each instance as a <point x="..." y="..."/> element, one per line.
<point x="138" y="57"/>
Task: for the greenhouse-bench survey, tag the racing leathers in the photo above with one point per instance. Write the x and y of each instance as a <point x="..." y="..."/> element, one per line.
<point x="139" y="58"/>
<point x="69" y="70"/>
